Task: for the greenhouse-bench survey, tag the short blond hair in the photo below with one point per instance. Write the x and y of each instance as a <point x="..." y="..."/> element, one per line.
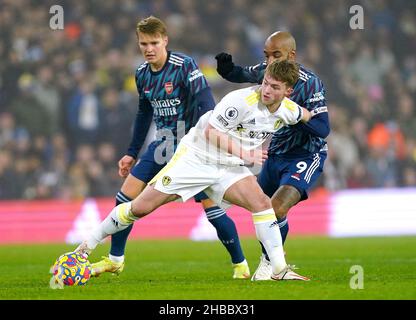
<point x="152" y="25"/>
<point x="285" y="71"/>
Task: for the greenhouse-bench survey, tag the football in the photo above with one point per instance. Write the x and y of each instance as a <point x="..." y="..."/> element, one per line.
<point x="70" y="269"/>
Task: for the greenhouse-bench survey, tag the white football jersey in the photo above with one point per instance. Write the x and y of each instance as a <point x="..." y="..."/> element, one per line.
<point x="245" y="119"/>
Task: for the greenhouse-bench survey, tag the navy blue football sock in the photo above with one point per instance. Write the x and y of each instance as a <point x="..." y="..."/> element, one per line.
<point x="227" y="232"/>
<point x="284" y="230"/>
<point x="119" y="239"/>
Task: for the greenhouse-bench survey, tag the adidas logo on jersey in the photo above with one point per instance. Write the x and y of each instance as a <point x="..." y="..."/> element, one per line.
<point x="178" y="61"/>
<point x="253" y="98"/>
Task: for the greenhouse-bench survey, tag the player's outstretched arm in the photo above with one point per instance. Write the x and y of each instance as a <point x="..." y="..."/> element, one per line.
<point x="229" y="71"/>
<point x="318" y="125"/>
<point x="315" y="101"/>
<point x="306" y="115"/>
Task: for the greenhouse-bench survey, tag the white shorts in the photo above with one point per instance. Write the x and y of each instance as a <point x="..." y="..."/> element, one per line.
<point x="187" y="175"/>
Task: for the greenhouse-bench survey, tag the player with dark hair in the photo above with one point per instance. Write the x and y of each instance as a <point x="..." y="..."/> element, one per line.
<point x="175" y="94"/>
<point x="296" y="153"/>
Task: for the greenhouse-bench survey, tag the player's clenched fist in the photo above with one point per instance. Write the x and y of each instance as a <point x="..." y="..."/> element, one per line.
<point x="291" y="113"/>
<point x="124" y="165"/>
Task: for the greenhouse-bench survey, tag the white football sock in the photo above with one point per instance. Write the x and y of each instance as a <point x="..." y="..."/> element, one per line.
<point x="268" y="233"/>
<point x="117" y="259"/>
<point x="118" y="219"/>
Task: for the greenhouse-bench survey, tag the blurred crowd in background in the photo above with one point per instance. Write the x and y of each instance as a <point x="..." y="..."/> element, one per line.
<point x="68" y="97"/>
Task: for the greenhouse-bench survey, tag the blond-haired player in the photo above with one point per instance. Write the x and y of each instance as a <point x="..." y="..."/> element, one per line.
<point x="212" y="158"/>
<point x="296" y="153"/>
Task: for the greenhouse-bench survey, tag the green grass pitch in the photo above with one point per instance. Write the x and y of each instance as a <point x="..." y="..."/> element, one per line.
<point x="186" y="270"/>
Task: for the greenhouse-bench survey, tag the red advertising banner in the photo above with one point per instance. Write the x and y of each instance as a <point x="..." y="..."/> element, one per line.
<point x="71" y="221"/>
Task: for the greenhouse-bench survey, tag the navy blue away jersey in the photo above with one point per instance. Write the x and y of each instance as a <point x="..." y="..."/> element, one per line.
<point x="308" y="92"/>
<point x="171" y="93"/>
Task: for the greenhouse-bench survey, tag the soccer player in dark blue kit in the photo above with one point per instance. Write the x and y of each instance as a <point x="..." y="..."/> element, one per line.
<point x="296" y="153"/>
<point x="174" y="93"/>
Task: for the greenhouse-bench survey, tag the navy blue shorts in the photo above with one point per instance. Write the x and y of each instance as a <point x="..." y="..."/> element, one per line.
<point x="301" y="173"/>
<point x="146" y="168"/>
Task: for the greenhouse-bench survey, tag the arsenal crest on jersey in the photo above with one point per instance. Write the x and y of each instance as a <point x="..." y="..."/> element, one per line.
<point x="169" y="87"/>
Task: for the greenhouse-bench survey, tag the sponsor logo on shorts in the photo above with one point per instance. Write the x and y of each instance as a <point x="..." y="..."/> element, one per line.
<point x="295" y="176"/>
<point x="166" y="180"/>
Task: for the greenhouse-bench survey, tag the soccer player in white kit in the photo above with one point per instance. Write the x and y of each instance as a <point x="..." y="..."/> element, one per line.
<point x="213" y="156"/>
